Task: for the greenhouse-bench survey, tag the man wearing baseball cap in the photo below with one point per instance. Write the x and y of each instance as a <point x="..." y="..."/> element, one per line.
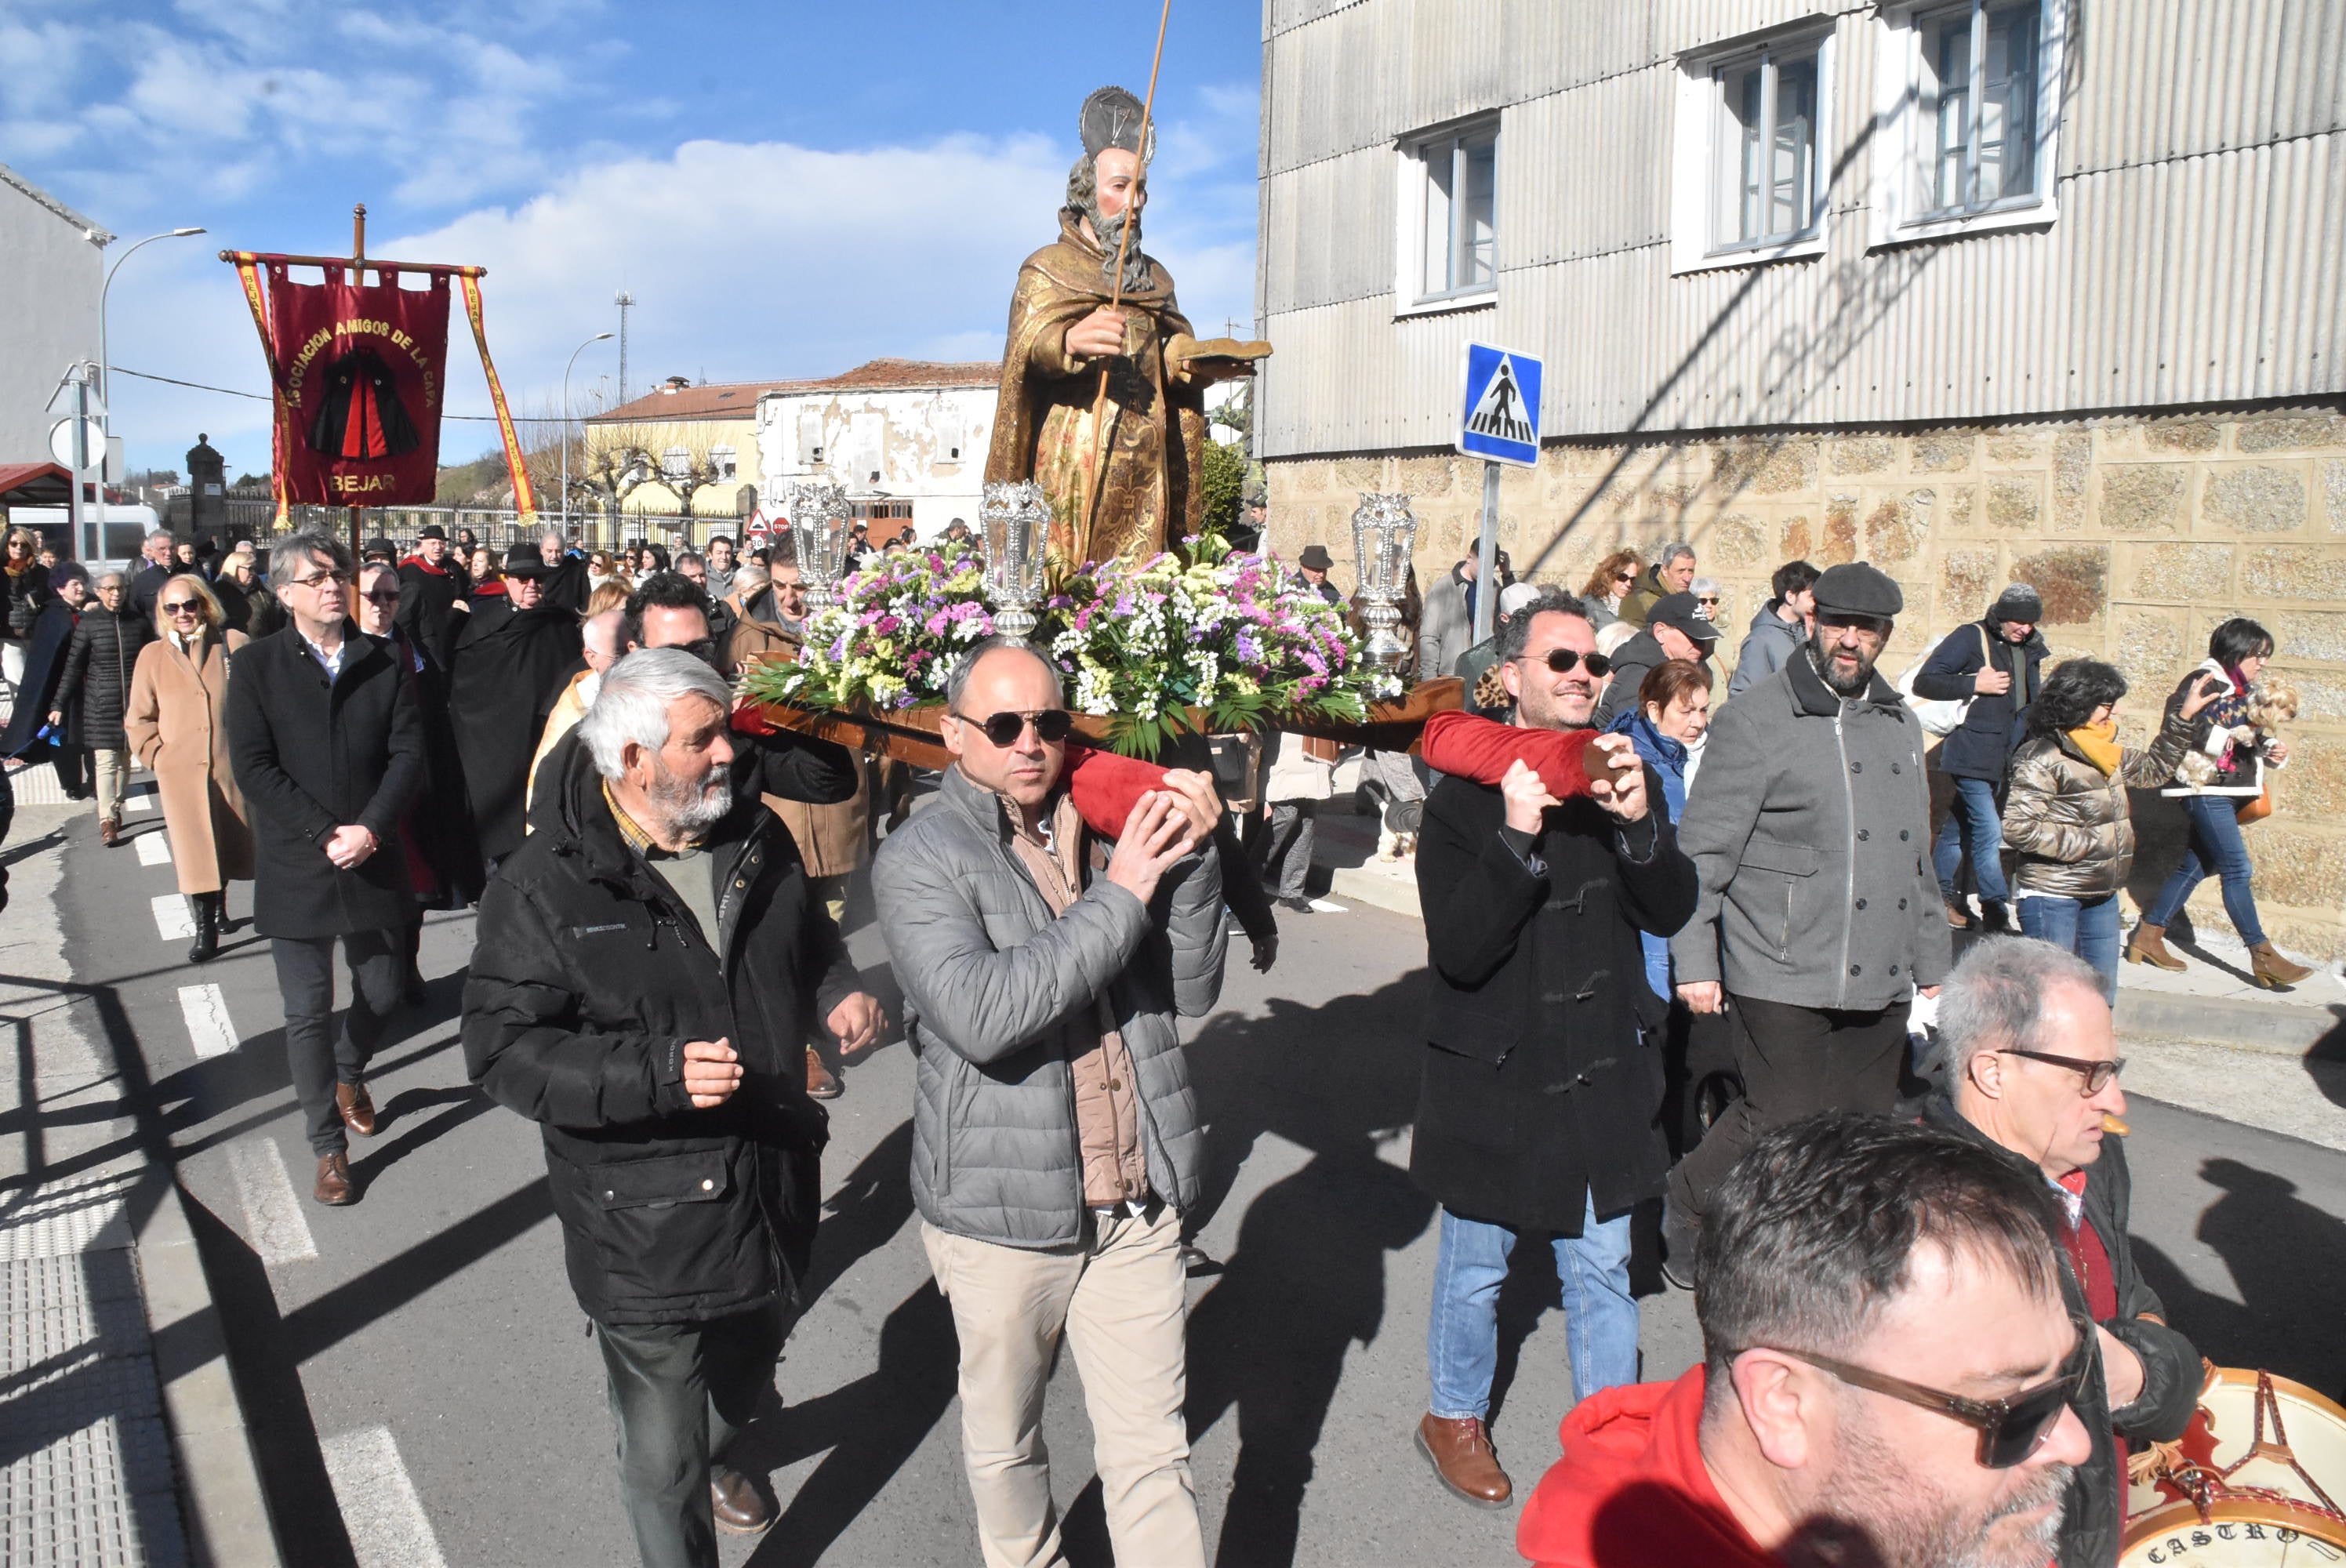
<point x="1673" y="630"/>
<point x="1819" y="919"/>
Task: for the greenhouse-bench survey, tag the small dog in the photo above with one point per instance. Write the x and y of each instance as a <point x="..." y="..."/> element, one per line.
<point x="2269" y="706"/>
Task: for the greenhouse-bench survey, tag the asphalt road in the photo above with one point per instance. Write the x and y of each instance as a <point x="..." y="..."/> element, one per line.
<point x="423" y="1390"/>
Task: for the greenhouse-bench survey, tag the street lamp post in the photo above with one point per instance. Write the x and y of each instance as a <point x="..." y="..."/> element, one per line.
<point x="105" y="380"/>
<point x="566" y="427"/>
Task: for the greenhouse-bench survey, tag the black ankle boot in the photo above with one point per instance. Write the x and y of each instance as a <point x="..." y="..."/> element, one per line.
<point x="208" y="910"/>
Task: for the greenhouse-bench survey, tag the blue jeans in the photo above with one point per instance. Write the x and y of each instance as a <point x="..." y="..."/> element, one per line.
<point x="1971" y="829"/>
<point x="2215" y="845"/>
<point x="2090" y="928"/>
<point x="1462" y="1340"/>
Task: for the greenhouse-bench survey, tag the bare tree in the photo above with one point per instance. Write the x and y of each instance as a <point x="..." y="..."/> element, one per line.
<point x="615" y="461"/>
<point x="685" y="466"/>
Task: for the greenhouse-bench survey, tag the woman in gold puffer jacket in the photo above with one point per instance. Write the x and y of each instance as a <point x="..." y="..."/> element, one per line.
<point x="2066" y="814"/>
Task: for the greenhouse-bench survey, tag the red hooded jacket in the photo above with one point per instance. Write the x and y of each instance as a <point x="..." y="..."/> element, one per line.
<point x="1631" y="1490"/>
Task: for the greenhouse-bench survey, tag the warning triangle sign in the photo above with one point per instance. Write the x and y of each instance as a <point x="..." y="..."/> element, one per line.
<point x="1499" y="411"/>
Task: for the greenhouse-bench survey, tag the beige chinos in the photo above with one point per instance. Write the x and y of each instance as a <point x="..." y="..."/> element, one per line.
<point x="1120" y="1300"/>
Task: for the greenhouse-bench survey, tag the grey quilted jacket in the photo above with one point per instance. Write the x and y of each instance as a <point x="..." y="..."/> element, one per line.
<point x="989" y="975"/>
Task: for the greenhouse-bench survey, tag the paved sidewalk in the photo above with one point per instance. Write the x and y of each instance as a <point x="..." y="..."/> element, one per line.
<point x="97" y="1269"/>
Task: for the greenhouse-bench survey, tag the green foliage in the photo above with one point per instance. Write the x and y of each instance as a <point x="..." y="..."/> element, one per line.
<point x="1224" y="482"/>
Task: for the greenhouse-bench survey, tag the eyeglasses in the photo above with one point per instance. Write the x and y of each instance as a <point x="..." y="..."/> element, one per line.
<point x="181" y="607"/>
<point x="324" y="580"/>
<point x="1562" y="660"/>
<point x="2097" y="1074"/>
<point x="1052" y="725"/>
<point x="1706" y="599"/>
<point x="2009" y="1429"/>
<point x="383" y="596"/>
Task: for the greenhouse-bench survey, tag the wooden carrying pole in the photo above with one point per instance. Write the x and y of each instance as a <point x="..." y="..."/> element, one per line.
<point x="358" y="275"/>
<point x="1100" y="434"/>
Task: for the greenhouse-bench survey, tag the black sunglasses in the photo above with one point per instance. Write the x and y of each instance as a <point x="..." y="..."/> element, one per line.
<point x="2097" y="1074"/>
<point x="2009" y="1429"/>
<point x="1052" y="725"/>
<point x="182" y="606"/>
<point x="1562" y="661"/>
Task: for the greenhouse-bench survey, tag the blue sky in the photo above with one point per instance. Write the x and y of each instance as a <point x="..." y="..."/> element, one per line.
<point x="788" y="189"/>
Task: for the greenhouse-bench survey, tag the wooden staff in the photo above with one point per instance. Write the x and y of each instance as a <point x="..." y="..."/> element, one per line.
<point x="358" y="279"/>
<point x="1082" y="540"/>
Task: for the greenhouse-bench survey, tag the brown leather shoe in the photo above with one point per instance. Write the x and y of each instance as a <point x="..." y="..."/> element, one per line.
<point x="109" y="832"/>
<point x="737" y="1503"/>
<point x="1461" y="1454"/>
<point x="1959" y="917"/>
<point x="2275" y="973"/>
<point x="334" y="1188"/>
<point x="823" y="1084"/>
<point x="357" y="1108"/>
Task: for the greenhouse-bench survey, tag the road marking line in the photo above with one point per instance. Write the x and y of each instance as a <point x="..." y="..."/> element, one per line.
<point x="273" y="1222"/>
<point x="139" y="799"/>
<point x="154" y="849"/>
<point x="172" y="919"/>
<point x="205" y="1008"/>
<point x="380" y="1512"/>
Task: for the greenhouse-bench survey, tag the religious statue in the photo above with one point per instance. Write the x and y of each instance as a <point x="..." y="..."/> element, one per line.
<point x="1120" y="467"/>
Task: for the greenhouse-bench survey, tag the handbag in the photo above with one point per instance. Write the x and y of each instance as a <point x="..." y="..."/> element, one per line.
<point x="1939" y="716"/>
<point x="2257" y="808"/>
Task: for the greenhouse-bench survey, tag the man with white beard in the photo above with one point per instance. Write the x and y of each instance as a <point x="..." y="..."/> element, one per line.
<point x="1888" y="1367"/>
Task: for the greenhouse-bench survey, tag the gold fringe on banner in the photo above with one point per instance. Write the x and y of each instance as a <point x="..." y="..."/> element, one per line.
<point x="524" y="498"/>
<point x="248" y="273"/>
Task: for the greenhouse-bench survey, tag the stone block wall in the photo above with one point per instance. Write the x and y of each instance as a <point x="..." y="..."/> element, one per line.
<point x="2140" y="532"/>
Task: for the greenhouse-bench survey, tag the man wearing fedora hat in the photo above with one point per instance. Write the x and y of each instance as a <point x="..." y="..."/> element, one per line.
<point x="507" y="664"/>
<point x="429" y="587"/>
<point x="1311" y="574"/>
<point x="1810" y="827"/>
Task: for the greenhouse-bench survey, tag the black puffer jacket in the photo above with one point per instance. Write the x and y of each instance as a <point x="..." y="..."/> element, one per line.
<point x="2096" y="1515"/>
<point x="590" y="977"/>
<point x="26" y="592"/>
<point x="97" y="683"/>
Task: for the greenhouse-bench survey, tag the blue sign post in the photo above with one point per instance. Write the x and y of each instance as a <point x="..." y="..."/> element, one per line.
<point x="1498" y="421"/>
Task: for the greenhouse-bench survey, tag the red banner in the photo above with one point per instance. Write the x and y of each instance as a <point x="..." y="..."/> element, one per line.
<point x="361" y="370"/>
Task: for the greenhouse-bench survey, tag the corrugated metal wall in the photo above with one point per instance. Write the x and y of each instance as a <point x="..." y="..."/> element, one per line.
<point x="2199" y="255"/>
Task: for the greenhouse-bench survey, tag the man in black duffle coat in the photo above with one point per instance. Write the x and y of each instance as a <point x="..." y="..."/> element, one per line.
<point x="327" y="743"/>
<point x="1540" y="1108"/>
<point x="648" y="969"/>
<point x="507" y="662"/>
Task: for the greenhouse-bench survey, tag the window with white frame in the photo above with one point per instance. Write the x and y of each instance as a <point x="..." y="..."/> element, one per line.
<point x="1449" y="207"/>
<point x="1969" y="114"/>
<point x="1750" y="169"/>
<point x="722" y="461"/>
<point x="676" y="462"/>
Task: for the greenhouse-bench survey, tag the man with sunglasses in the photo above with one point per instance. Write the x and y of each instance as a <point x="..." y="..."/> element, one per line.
<point x="1887" y="1375"/>
<point x="1810" y="823"/>
<point x="2027" y="1045"/>
<point x="1056" y="1140"/>
<point x="1538" y="1105"/>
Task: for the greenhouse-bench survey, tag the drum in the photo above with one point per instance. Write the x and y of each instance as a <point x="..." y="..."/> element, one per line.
<point x="2251" y="1483"/>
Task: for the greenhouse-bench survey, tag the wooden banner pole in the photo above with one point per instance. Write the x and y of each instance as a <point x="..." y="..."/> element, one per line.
<point x="358" y="277"/>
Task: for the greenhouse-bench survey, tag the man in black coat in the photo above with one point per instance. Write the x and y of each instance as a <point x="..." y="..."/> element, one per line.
<point x="647" y="967"/>
<point x="429" y="587"/>
<point x="508" y="663"/>
<point x="1992" y="664"/>
<point x="1540" y="1108"/>
<point x="2032" y="1064"/>
<point x="145" y="585"/>
<point x="566" y="585"/>
<point x="327" y="741"/>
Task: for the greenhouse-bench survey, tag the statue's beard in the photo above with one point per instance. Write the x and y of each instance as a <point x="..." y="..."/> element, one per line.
<point x="1109" y="230"/>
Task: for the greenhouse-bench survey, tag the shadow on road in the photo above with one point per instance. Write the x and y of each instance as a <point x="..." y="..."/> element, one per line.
<point x="2286" y="1257"/>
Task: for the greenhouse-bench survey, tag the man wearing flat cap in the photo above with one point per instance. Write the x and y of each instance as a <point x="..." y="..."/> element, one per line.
<point x="1820" y="919"/>
<point x="508" y="661"/>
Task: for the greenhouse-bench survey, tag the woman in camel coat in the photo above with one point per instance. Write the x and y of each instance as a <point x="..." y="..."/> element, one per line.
<point x="177" y="723"/>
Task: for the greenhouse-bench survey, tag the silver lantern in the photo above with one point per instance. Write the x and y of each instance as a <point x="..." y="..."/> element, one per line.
<point x="1017" y="522"/>
<point x="819" y="530"/>
<point x="1384" y="533"/>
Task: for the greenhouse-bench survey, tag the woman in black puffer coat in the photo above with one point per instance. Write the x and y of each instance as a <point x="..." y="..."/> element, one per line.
<point x="96" y="688"/>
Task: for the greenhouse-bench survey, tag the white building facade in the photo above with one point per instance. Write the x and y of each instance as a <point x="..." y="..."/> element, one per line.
<point x="907" y="438"/>
<point x="52" y="272"/>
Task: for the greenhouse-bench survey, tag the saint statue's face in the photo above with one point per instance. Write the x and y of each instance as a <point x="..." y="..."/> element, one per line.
<point x="1121" y="183"/>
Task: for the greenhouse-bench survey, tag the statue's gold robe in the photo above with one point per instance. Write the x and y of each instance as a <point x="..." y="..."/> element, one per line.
<point x="1146" y="481"/>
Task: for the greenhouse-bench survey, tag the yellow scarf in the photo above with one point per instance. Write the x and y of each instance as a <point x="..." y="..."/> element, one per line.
<point x="2099" y="744"/>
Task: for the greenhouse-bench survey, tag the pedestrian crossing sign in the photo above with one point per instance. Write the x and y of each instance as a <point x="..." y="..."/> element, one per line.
<point x="1500" y="414"/>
